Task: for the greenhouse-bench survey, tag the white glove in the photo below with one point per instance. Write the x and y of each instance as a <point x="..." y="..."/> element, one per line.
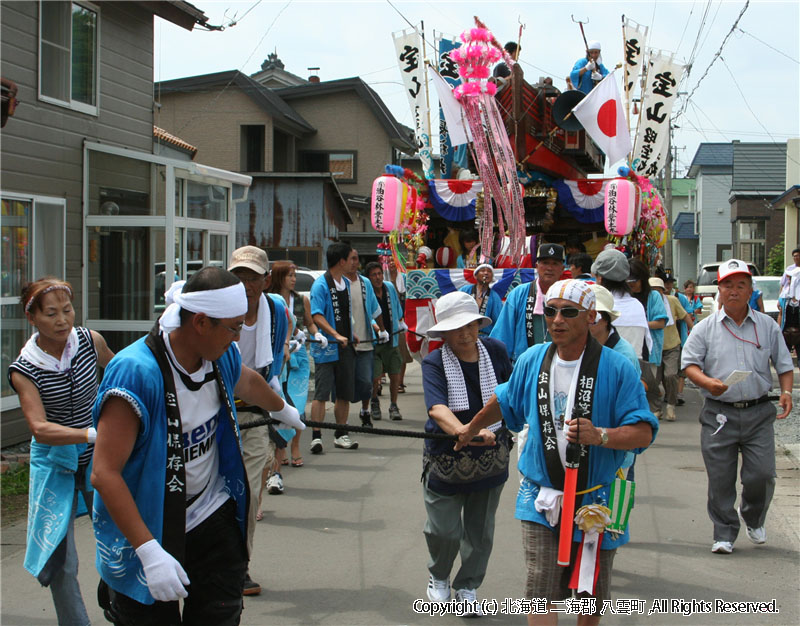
<point x="165" y="577"/>
<point x="289" y="416"/>
<point x="383" y="336"/>
<point x="323" y="340"/>
<point x="276" y="385"/>
<point x="300" y="337"/>
<point x="591" y="65"/>
<point x="91" y="434"/>
<point x="597" y="76"/>
<point x="294" y="345"/>
<point x="401" y="325"/>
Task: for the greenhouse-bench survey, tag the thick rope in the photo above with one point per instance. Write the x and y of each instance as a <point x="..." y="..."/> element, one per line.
<point x="389" y="432"/>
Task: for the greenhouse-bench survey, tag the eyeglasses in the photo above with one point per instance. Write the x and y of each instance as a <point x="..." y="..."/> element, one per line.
<point x="236" y="330"/>
<point x="632" y="280"/>
<point x="568" y="312"/>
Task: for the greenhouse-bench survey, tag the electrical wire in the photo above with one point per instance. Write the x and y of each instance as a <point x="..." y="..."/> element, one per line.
<point x="713" y="60"/>
<point x="741" y="30"/>
<point x="685" y="27"/>
<point x="230" y="82"/>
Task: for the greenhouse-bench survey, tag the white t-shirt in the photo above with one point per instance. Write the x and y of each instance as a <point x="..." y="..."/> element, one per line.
<point x="199" y="416"/>
<point x="247" y="345"/>
<point x="563" y="373"/>
<point x="360" y="329"/>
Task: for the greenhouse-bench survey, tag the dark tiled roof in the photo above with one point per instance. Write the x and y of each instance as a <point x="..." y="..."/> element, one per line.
<point x="712" y="154"/>
<point x="280" y="111"/>
<point x="683" y="227"/>
<point x="401" y="136"/>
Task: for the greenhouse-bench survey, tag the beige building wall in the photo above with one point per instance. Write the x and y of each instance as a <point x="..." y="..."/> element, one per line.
<point x="345" y="122"/>
<point x="212" y="122"/>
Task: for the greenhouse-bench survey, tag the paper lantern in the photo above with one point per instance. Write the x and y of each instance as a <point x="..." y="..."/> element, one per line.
<point x="389" y="196"/>
<point x="621" y="207"/>
<point x="445" y="257"/>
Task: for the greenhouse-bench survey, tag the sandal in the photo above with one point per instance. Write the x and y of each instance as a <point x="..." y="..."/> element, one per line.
<point x="401" y="389"/>
<point x="259" y="516"/>
<point x="298" y="462"/>
<point x="285" y="462"/>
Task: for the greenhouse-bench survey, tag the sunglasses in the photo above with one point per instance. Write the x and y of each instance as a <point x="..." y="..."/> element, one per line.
<point x="568" y="312"/>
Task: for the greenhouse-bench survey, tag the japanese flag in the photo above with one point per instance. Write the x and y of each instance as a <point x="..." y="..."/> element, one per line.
<point x="603" y="117"/>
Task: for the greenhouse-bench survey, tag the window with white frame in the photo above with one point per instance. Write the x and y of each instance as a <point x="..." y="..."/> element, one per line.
<point x="32" y="246"/>
<point x="68" y="50"/>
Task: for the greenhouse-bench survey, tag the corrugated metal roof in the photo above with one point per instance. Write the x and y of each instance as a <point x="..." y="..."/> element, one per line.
<point x="759" y="167"/>
<point x="711" y="154"/>
<point x="683" y="226"/>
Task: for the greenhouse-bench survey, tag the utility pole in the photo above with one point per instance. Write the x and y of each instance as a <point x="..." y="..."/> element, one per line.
<point x="668" y="255"/>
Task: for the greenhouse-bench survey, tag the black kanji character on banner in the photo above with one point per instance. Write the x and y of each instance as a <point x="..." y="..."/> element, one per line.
<point x="410" y="58"/>
<point x="662" y="82"/>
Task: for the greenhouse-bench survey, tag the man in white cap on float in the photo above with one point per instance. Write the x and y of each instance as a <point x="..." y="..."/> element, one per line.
<point x="737" y="418"/>
<point x="172" y="496"/>
<point x="572" y="390"/>
<point x="489" y="303"/>
<point x="589" y="70"/>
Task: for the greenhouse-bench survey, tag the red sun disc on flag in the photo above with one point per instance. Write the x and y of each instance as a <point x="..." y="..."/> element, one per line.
<point x="607" y="118"/>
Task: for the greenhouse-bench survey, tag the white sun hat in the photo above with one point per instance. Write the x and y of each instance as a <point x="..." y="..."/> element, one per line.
<point x="454" y="310"/>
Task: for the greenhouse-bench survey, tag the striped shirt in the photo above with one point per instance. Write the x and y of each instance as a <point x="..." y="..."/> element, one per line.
<point x="67" y="396"/>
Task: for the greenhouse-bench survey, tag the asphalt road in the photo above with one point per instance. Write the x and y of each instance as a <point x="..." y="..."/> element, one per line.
<point x="344" y="544"/>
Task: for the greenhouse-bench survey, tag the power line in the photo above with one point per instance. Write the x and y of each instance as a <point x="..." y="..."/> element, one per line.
<point x="230" y="82"/>
<point x="741" y="30"/>
<point x="713" y="60"/>
<point x="749" y="108"/>
<point x="685" y="26"/>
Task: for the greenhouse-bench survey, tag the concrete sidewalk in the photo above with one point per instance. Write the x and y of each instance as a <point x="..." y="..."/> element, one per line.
<point x="344" y="544"/>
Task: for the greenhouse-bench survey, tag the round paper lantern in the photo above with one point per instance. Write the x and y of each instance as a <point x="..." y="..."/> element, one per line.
<point x="621" y="207"/>
<point x="389" y="195"/>
<point x="445" y="256"/>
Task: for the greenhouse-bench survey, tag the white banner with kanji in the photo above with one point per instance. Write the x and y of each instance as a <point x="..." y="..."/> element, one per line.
<point x="635" y="38"/>
<point x="652" y="138"/>
<point x="408" y="46"/>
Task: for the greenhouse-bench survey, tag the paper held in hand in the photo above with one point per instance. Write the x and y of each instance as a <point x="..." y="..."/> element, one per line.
<point x="736" y="376"/>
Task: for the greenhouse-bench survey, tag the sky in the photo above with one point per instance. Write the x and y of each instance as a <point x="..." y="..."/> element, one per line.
<point x="750" y="93"/>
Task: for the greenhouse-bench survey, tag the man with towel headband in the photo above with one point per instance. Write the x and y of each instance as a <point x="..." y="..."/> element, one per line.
<point x="571" y="390"/>
<point x="172" y="493"/>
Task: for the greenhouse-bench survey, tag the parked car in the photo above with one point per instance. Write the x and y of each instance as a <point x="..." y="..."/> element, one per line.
<point x="306" y="278"/>
<point x="770" y="287"/>
<point x="707" y="285"/>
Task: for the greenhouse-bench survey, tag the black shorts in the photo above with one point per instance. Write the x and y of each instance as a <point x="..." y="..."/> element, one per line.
<point x="336" y="376"/>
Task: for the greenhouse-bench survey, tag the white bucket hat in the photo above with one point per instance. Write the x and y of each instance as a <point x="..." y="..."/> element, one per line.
<point x="454" y="310"/>
<point x="604" y="301"/>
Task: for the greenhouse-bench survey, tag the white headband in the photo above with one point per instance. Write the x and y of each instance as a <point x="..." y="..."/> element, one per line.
<point x="217" y="303"/>
<point x="577" y="291"/>
<point x="483" y="266"/>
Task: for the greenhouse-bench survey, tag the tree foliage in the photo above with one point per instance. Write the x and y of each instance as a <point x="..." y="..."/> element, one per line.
<point x="775" y="260"/>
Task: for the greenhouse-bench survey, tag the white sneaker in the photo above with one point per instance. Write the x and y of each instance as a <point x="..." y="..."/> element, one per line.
<point x="316" y="446"/>
<point x="756" y="535"/>
<point x="438" y="590"/>
<point x="722" y="547"/>
<point x="657" y="413"/>
<point x="345" y="442"/>
<point x="670" y="413"/>
<point x="468" y="595"/>
<point x="275" y="484"/>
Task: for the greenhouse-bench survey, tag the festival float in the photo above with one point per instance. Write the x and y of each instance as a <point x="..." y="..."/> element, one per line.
<point x="538" y="156"/>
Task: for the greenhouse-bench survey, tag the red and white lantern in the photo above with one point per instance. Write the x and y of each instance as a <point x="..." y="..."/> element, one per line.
<point x="622" y="206"/>
<point x="445" y="257"/>
<point x="389" y="196"/>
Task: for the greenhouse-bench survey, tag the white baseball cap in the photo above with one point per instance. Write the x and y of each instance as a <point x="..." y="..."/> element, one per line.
<point x="731" y="267"/>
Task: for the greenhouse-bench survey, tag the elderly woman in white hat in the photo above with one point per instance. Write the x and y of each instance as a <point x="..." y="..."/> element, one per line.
<point x="461" y="489"/>
<point x="603" y="328"/>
